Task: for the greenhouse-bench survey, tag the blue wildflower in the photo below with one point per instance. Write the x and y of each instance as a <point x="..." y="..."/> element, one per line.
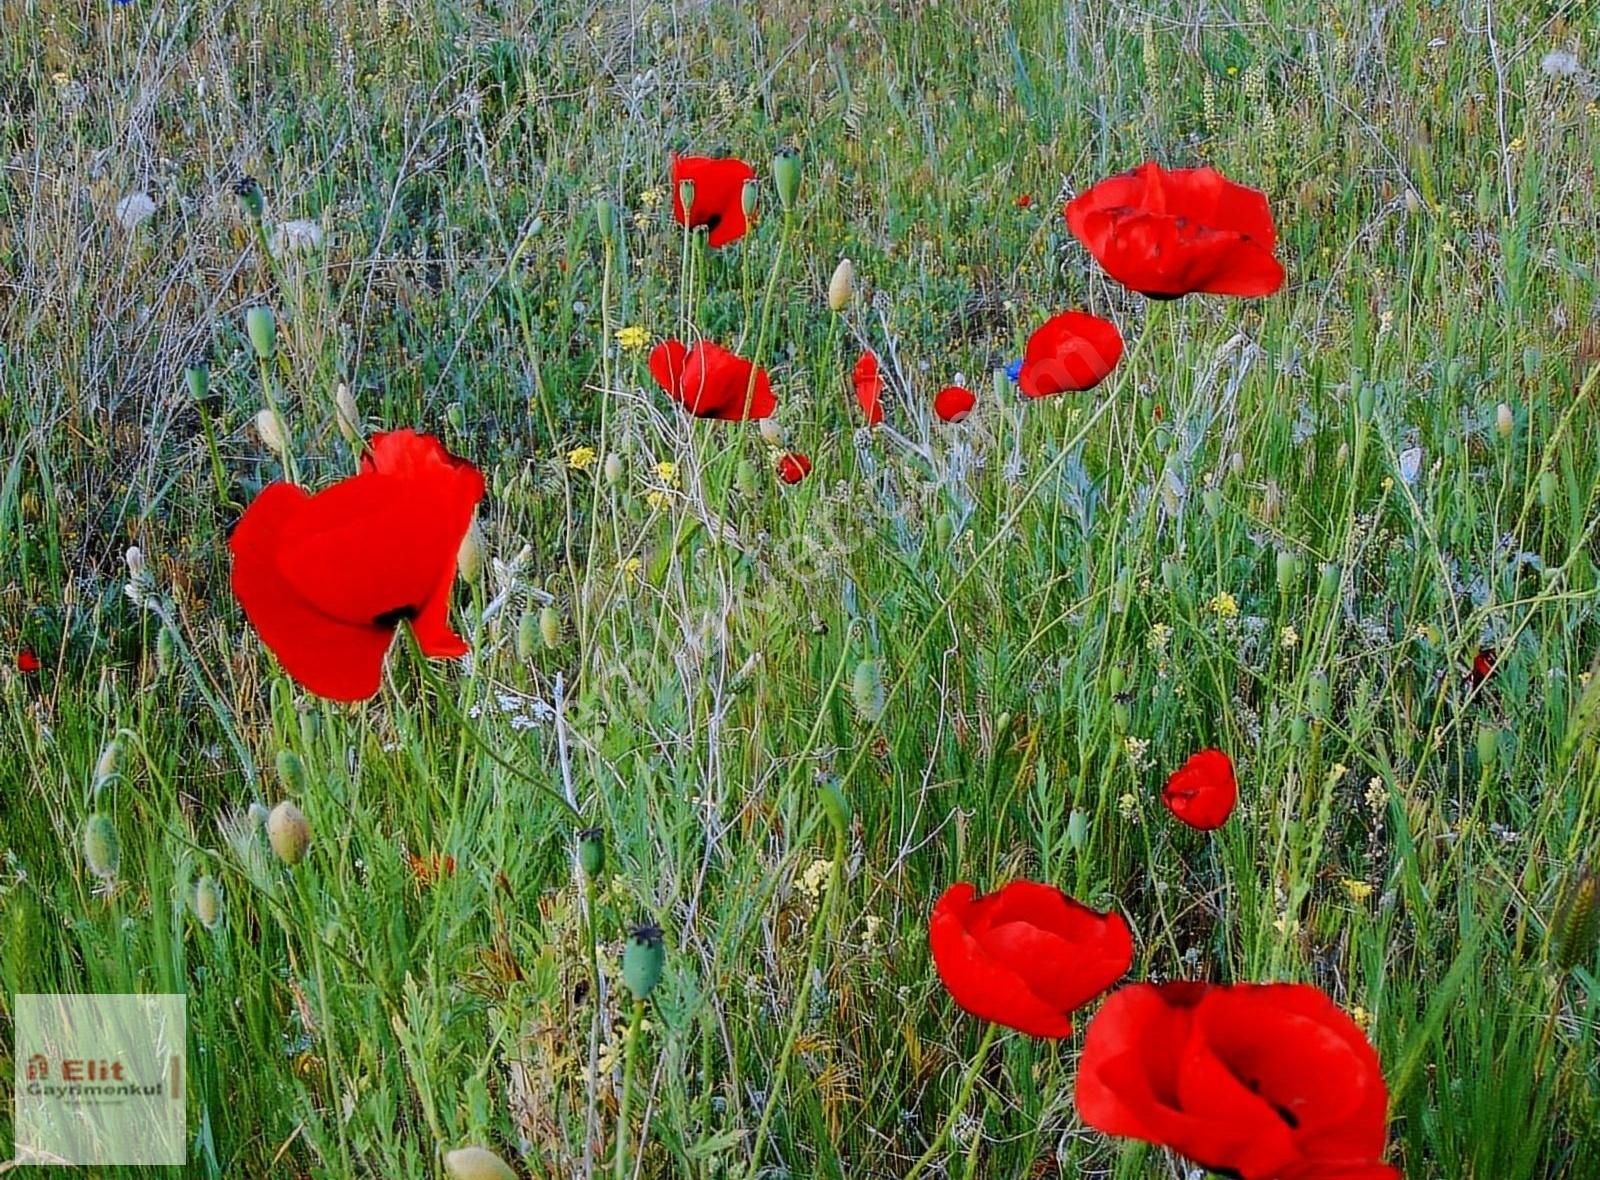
<point x="1013" y="370"/>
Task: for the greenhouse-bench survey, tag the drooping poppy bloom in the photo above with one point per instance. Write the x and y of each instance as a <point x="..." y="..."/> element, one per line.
<point x="326" y="578"/>
<point x="1069" y="353"/>
<point x="717" y="204"/>
<point x="1026" y="956"/>
<point x="711" y="382"/>
<point x="793" y="466"/>
<point x="1167" y="234"/>
<point x="1257" y="1081"/>
<point x="868" y="379"/>
<point x="953" y="403"/>
<point x="1202" y="792"/>
<point x="1482" y="666"/>
<point x="27" y="663"/>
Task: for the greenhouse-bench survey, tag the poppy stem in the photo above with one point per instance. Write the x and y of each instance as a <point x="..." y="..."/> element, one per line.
<point x="630" y="1062"/>
<point x="962" y="1095"/>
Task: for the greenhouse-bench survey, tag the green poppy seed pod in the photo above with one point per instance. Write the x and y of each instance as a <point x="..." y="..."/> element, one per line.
<point x="748" y="479"/>
<point x="613" y="467"/>
<point x="166" y="649"/>
<point x="866" y="689"/>
<point x="1288" y="571"/>
<point x="1297" y="731"/>
<point x="836" y="807"/>
<point x="109" y="765"/>
<point x="786" y="174"/>
<point x="1328" y="584"/>
<point x="527" y="634"/>
<point x="842" y="285"/>
<point x="686" y="194"/>
<point x="1364" y="401"/>
<point x="207" y="902"/>
<point x="1077" y="829"/>
<point x="1120" y="717"/>
<point x="1319" y="697"/>
<point x="1503" y="420"/>
<point x="592" y="852"/>
<point x="469" y="555"/>
<point x="101" y="852"/>
<point x="198" y="375"/>
<point x="1547" y="488"/>
<point x="1116" y="679"/>
<point x="1488" y="747"/>
<point x="749" y="197"/>
<point x="292" y="772"/>
<point x="1575" y="926"/>
<point x="250" y="198"/>
<point x="263" y="330"/>
<point x="944" y="530"/>
<point x="288" y="833"/>
<point x="605" y="220"/>
<point x="550" y="627"/>
<point x="456" y="416"/>
<point x="642" y="960"/>
<point x="476" y="1163"/>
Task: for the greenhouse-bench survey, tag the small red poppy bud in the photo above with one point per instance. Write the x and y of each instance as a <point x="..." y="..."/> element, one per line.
<point x="793" y="467"/>
<point x="953" y="403"/>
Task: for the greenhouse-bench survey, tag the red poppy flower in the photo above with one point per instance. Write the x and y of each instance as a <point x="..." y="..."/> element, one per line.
<point x="325" y="579"/>
<point x="953" y="403"/>
<point x="711" y="382"/>
<point x="1166" y="234"/>
<point x="1024" y="200"/>
<point x="718" y="200"/>
<point x="1258" y="1081"/>
<point x="1482" y="667"/>
<point x="1069" y="353"/>
<point x="793" y="467"/>
<point x="27" y="663"/>
<point x="1027" y="956"/>
<point x="868" y="380"/>
<point x="1202" y="791"/>
<point x="431" y="868"/>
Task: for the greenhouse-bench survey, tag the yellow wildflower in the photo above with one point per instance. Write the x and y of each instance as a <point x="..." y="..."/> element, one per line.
<point x="1224" y="605"/>
<point x="667" y="473"/>
<point x="632" y="567"/>
<point x="1359" y="891"/>
<point x="581" y="458"/>
<point x="658" y="501"/>
<point x="633" y="338"/>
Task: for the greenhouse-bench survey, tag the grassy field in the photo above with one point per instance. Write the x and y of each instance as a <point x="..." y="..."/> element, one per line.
<point x="1284" y="526"/>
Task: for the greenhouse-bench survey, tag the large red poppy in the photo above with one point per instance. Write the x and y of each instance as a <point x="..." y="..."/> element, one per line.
<point x="1258" y="1081"/>
<point x="326" y="579"/>
<point x="953" y="403"/>
<point x="1069" y="353"/>
<point x="718" y="201"/>
<point x="27" y="662"/>
<point x="711" y="382"/>
<point x="1166" y="234"/>
<point x="868" y="379"/>
<point x="1202" y="792"/>
<point x="1027" y="956"/>
<point x="1482" y="667"/>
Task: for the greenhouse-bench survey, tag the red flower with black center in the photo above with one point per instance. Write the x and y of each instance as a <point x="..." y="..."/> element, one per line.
<point x="868" y="379"/>
<point x="711" y="382"/>
<point x="1026" y="956"/>
<point x="1202" y="792"/>
<point x="953" y="403"/>
<point x="28" y="663"/>
<point x="1069" y="353"/>
<point x="1255" y="1081"/>
<point x="717" y="204"/>
<point x="793" y="467"/>
<point x="325" y="579"/>
<point x="1482" y="667"/>
<point x="1167" y="234"/>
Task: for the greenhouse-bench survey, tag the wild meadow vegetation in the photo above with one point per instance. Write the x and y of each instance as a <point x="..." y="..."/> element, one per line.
<point x="1345" y="532"/>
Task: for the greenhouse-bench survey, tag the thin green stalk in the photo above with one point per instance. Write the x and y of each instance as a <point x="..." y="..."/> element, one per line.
<point x="960" y="1104"/>
<point x="630" y="1063"/>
